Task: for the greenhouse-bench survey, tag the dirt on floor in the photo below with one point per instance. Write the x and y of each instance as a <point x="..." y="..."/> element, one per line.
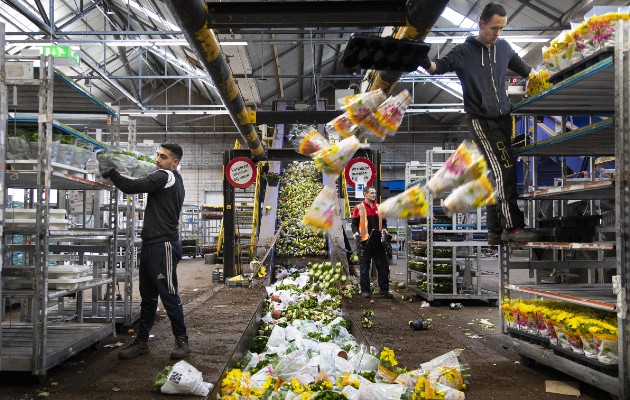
<point x="216" y="317"/>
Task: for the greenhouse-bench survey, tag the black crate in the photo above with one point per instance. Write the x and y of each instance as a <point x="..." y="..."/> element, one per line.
<point x="574" y="221"/>
<point x="528" y="337"/>
<point x="581" y="66"/>
<point x="608" y="369"/>
<point x="217" y="275"/>
<point x="570" y="235"/>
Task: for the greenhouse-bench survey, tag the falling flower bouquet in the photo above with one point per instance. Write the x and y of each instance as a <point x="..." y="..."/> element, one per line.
<point x="320" y="215"/>
<point x="308" y="140"/>
<point x="361" y="105"/>
<point x="333" y="159"/>
<point x="408" y="204"/>
<point x="342" y="126"/>
<point x="470" y="196"/>
<point x="386" y="119"/>
<point x="464" y="165"/>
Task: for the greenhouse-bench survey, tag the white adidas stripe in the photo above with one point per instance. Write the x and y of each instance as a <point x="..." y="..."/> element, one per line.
<point x="496" y="168"/>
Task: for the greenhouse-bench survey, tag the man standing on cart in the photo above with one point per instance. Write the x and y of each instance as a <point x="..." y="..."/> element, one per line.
<point x="481" y="64"/>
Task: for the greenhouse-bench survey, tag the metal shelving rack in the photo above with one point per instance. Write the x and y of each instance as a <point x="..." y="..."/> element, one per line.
<point x="602" y="89"/>
<point x="463" y="236"/>
<point x="189" y="230"/>
<point x="35" y="343"/>
<point x="210" y="227"/>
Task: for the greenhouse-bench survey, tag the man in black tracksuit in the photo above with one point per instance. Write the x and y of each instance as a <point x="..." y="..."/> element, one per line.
<point x="481" y="63"/>
<point x="161" y="248"/>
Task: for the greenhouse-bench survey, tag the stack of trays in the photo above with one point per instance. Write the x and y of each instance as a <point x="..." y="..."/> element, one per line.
<point x="63" y="277"/>
<point x="25" y="218"/>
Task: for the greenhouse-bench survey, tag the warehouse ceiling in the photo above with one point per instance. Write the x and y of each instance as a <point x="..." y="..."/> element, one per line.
<point x="133" y="54"/>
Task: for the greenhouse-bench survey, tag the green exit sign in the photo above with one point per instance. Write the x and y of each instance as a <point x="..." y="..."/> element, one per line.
<point x="62" y="52"/>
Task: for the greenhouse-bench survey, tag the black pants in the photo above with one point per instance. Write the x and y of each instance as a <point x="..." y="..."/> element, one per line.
<point x="158" y="277"/>
<point x="366" y="255"/>
<point x="494" y="139"/>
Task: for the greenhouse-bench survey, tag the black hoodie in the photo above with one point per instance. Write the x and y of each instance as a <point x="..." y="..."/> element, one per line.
<point x="482" y="72"/>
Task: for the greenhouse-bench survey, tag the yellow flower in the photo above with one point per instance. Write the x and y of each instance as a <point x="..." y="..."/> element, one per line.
<point x="388" y="358"/>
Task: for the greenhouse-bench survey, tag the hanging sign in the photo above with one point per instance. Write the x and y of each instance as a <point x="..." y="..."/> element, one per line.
<point x="241" y="172"/>
<point x="62" y="52"/>
<point x="360" y="170"/>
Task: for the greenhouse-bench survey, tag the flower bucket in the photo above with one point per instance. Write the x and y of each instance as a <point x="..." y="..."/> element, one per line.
<point x="273" y="181"/>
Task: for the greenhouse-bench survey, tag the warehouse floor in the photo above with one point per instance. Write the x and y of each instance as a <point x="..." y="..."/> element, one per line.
<point x="217" y="315"/>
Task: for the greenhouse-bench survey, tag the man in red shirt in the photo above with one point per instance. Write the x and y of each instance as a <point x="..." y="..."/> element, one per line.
<point x="367" y="228"/>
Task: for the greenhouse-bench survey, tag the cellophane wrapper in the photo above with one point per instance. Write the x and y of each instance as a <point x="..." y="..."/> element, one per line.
<point x="342" y="126"/>
<point x="308" y="140"/>
<point x="470" y="196"/>
<point x="427" y="389"/>
<point x="320" y="216"/>
<point x="386" y="119"/>
<point x="333" y="159"/>
<point x="465" y="165"/>
<point x="361" y="105"/>
<point x="453" y="358"/>
<point x="408" y="204"/>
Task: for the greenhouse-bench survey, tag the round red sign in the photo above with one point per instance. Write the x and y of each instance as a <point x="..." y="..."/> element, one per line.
<point x="360" y="170"/>
<point x="241" y="172"/>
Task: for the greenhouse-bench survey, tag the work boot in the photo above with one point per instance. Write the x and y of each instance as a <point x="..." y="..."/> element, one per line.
<point x="137" y="347"/>
<point x="519" y="235"/>
<point x="367" y="295"/>
<point x="494" y="238"/>
<point x="181" y="348"/>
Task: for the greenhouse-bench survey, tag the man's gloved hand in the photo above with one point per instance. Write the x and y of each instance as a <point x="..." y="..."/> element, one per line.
<point x="107" y="172"/>
<point x="425" y="62"/>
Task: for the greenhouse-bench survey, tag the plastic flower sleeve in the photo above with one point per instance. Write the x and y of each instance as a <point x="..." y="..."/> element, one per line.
<point x="465" y="165"/>
<point x="386" y="119"/>
<point x="320" y="215"/>
<point x="381" y="391"/>
<point x="333" y="159"/>
<point x="426" y="389"/>
<point x="451" y="358"/>
<point x="470" y="196"/>
<point x="307" y="140"/>
<point x="186" y="379"/>
<point x="408" y="204"/>
<point x="361" y="105"/>
<point x="341" y="126"/>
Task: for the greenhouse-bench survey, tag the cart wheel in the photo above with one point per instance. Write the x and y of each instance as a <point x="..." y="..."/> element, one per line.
<point x="96" y="345"/>
<point x="194" y="256"/>
<point x="41" y="379"/>
<point x="493" y="302"/>
<point x="527" y="362"/>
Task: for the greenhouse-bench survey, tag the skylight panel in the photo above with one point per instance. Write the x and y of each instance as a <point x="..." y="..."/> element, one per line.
<point x="458" y="19"/>
<point x="171" y="26"/>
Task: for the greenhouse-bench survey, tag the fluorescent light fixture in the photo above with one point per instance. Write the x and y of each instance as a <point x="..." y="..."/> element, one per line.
<point x="511" y="39"/>
<point x="76" y="44"/>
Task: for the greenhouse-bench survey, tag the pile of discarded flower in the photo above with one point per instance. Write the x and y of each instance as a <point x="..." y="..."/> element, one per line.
<point x="310" y="354"/>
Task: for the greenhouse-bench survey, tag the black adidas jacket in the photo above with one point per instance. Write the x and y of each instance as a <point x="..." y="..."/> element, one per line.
<point x="164" y="203"/>
<point x="482" y="72"/>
